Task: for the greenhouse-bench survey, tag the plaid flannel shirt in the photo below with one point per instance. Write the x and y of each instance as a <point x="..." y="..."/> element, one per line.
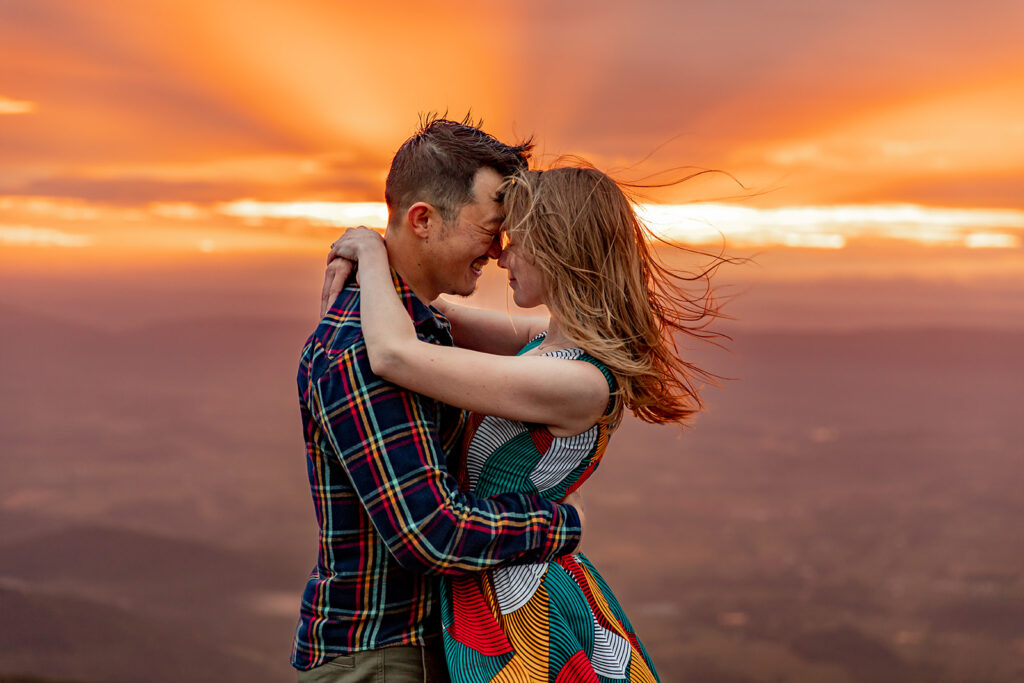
<point x="390" y="515"/>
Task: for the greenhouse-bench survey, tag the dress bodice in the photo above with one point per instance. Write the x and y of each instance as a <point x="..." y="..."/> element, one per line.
<point x="503" y="456"/>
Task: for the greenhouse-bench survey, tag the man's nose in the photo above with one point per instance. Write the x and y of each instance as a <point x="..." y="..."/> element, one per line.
<point x="494" y="251"/>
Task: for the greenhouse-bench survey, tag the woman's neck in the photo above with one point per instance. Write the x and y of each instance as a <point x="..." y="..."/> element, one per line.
<point x="555" y="337"/>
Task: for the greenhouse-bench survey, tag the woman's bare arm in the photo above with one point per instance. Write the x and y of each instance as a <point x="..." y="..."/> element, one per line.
<point x="490" y="331"/>
<point x="568" y="396"/>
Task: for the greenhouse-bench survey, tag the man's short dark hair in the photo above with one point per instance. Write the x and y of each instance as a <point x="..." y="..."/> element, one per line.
<point x="438" y="164"/>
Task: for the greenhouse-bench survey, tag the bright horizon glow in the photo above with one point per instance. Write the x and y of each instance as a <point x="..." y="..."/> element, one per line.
<point x="818" y="227"/>
<point x="336" y="214"/>
<point x="827" y="226"/>
<point x="249" y="225"/>
<point x="10" y="106"/>
<point x="992" y="240"/>
<point x="27" y="235"/>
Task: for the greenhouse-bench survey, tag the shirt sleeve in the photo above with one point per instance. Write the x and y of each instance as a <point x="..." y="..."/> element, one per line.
<point x="387" y="440"/>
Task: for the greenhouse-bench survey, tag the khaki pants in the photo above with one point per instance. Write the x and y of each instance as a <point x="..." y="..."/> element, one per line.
<point x="392" y="664"/>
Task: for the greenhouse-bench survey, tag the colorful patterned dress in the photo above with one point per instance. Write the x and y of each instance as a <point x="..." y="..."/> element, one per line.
<point x="552" y="621"/>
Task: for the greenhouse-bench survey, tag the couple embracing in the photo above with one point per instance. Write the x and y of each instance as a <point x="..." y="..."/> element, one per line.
<point x="445" y="444"/>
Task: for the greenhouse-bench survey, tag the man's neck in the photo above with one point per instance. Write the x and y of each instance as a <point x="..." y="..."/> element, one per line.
<point x="407" y="262"/>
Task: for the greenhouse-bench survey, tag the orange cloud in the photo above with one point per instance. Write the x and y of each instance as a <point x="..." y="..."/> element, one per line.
<point x="967" y="134"/>
<point x="186" y="101"/>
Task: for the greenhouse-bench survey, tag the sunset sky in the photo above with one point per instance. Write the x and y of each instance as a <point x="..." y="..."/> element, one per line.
<point x="190" y="127"/>
<point x="172" y="173"/>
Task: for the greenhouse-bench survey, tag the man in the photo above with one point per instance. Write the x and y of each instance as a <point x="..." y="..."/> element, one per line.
<point x="391" y="518"/>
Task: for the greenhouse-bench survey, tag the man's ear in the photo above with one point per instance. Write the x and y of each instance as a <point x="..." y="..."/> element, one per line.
<point x="421" y="217"/>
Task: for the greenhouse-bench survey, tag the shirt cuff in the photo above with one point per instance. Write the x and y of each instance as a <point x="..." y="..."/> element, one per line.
<point x="566" y="532"/>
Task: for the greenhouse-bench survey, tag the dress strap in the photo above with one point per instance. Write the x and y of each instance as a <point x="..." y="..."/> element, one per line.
<point x="613" y="385"/>
<point x="533" y="343"/>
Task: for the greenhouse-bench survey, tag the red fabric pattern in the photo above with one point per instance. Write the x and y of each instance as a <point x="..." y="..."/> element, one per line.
<point x="574" y="568"/>
<point x="473" y="624"/>
<point x="542" y="439"/>
<point x="577" y="670"/>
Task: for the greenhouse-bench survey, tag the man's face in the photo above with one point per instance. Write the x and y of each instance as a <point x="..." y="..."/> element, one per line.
<point x="464" y="247"/>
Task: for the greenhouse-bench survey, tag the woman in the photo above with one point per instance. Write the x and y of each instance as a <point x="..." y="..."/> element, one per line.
<point x="541" y="418"/>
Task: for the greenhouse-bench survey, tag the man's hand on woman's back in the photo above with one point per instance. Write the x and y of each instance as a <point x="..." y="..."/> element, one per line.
<point x="575" y="499"/>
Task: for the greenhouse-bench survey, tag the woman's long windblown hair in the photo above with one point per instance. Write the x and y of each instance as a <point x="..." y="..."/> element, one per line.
<point x="613" y="296"/>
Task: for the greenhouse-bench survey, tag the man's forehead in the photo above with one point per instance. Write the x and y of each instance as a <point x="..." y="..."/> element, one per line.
<point x="487" y="182"/>
<point x="487" y="206"/>
<point x="491" y="203"/>
<point x="490" y="208"/>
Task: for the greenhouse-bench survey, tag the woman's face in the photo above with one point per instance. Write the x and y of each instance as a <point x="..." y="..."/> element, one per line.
<point x="525" y="279"/>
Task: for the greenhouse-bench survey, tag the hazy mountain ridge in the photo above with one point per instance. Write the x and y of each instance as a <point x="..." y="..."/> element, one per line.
<point x="846" y="499"/>
<point x="65" y="636"/>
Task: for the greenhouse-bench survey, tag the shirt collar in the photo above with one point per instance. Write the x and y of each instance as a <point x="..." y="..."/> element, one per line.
<point x="421" y="313"/>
